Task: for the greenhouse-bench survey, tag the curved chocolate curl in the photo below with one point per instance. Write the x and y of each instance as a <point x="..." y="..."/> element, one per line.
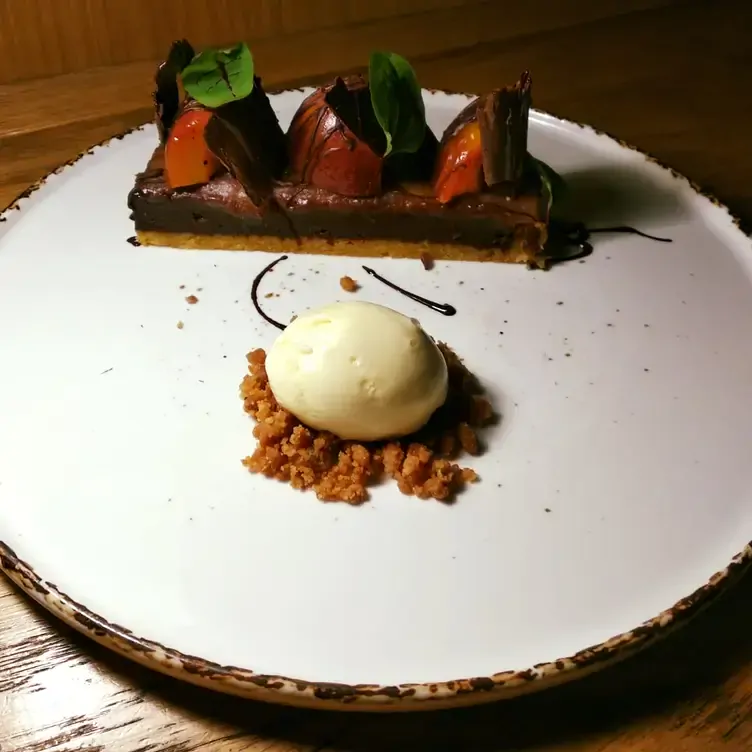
<point x="335" y="141"/>
<point x="167" y="93"/>
<point x="350" y="98"/>
<point x="503" y="120"/>
<point x="246" y="137"/>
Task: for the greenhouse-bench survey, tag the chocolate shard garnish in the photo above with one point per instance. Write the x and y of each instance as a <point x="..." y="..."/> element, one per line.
<point x="271" y="135"/>
<point x="350" y="100"/>
<point x="167" y="93"/>
<point x="246" y="137"/>
<point x="503" y="120"/>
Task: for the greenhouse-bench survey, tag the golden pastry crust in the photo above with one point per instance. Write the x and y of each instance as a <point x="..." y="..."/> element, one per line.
<point x="517" y="253"/>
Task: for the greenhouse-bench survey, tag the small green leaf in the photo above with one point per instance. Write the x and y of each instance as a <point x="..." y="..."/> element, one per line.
<point x="397" y="102"/>
<point x="554" y="182"/>
<point x="217" y="77"/>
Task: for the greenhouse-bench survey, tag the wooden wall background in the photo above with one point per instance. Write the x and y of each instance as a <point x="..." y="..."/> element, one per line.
<point x="290" y="38"/>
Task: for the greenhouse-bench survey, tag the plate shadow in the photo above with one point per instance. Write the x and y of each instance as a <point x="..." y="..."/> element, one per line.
<point x="618" y="196"/>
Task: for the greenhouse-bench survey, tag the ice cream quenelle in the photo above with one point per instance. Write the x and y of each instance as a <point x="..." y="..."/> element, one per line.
<point x="359" y="370"/>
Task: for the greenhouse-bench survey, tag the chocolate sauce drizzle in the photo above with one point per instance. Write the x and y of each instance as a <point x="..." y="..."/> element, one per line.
<point x="445" y="309"/>
<point x="630" y="230"/>
<point x="564" y="235"/>
<point x="254" y="292"/>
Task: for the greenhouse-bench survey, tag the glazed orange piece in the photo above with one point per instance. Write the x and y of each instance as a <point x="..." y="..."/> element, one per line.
<point x="460" y="164"/>
<point x="188" y="160"/>
<point x="326" y="153"/>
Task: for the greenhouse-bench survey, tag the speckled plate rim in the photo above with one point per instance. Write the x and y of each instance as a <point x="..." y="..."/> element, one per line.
<point x="366" y="697"/>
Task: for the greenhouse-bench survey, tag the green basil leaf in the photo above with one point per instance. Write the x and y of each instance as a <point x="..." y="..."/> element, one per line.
<point x="551" y="179"/>
<point x="397" y="102"/>
<point x="217" y="77"/>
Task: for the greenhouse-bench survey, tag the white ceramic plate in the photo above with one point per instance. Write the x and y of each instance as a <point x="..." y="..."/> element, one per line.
<point x="615" y="494"/>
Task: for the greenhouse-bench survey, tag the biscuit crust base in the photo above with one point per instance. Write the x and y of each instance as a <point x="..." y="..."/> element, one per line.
<point x="516" y="253"/>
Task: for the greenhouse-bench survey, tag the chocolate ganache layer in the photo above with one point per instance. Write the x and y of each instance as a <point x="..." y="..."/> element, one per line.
<point x="408" y="212"/>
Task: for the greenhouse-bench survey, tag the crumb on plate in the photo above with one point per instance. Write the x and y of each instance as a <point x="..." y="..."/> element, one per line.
<point x="191" y="299"/>
<point x="427" y="260"/>
<point x="348" y="284"/>
<point x="337" y="470"/>
<point x="180" y="324"/>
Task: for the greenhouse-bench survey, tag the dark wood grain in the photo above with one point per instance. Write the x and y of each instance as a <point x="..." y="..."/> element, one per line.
<point x="691" y="693"/>
<point x="675" y="80"/>
<point x="41" y="38"/>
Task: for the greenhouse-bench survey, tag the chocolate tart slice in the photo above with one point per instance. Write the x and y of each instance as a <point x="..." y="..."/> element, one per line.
<point x="330" y="185"/>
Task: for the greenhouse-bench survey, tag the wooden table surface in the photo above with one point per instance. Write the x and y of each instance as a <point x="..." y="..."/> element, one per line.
<point x="674" y="80"/>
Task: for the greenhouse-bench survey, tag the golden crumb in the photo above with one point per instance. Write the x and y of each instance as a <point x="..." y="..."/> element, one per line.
<point x="422" y="464"/>
<point x="348" y="284"/>
<point x="180" y="324"/>
<point x="191" y="299"/>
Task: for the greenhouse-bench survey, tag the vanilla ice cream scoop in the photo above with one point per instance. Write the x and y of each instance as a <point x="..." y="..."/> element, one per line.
<point x="359" y="370"/>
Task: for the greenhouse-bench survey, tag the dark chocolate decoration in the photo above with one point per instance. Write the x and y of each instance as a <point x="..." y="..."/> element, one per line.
<point x="445" y="309"/>
<point x="254" y="292"/>
<point x="568" y="241"/>
<point x="167" y="93"/>
<point x="503" y="120"/>
<point x="246" y="137"/>
<point x="335" y="142"/>
<point x="351" y="102"/>
<point x="625" y="229"/>
<point x="133" y="240"/>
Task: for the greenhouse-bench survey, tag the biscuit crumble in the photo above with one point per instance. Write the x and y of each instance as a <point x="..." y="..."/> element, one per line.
<point x="421" y="464"/>
<point x="348" y="284"/>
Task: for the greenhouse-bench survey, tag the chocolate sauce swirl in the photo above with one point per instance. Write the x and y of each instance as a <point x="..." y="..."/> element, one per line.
<point x="565" y="235"/>
<point x="254" y="292"/>
<point x="445" y="309"/>
<point x="630" y="230"/>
